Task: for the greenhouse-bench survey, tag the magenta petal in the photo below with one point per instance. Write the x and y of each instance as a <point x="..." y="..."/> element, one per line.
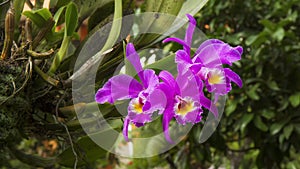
<point x="209" y="57"/>
<point x="191" y="19"/>
<point x="207" y="43"/>
<point x="189" y="33"/>
<point x="192" y="117"/>
<point x="177" y="40"/>
<point x="228" y="55"/>
<point x="183" y="61"/>
<point x="182" y="57"/>
<point x="218" y="51"/>
<point x="133" y="57"/>
<point x="157" y="100"/>
<point x="167" y="117"/>
<point x="189" y="85"/>
<point x="239" y="49"/>
<point x="125" y="128"/>
<point x="208" y="104"/>
<point x="233" y="77"/>
<point x="168" y="79"/>
<point x="104" y="94"/>
<point x="141" y="118"/>
<point x="150" y="79"/>
<point x="118" y="88"/>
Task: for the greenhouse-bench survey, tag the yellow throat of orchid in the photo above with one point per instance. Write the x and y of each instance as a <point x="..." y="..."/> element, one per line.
<point x="184" y="106"/>
<point x="137" y="105"/>
<point x="215" y="77"/>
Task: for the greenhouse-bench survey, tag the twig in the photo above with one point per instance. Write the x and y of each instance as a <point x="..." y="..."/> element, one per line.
<point x="67" y="130"/>
<point x="28" y="30"/>
<point x="30" y="5"/>
<point x="42" y="33"/>
<point x="9" y="32"/>
<point x="43" y="55"/>
<point x="3" y="3"/>
<point x="46" y="77"/>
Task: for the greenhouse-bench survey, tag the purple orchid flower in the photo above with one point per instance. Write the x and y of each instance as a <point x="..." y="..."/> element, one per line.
<point x="142" y="104"/>
<point x="185" y="99"/>
<point x="207" y="61"/>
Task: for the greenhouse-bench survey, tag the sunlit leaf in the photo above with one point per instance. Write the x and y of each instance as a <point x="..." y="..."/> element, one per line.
<point x="245" y="120"/>
<point x="260" y="124"/>
<point x="287" y="131"/>
<point x="71" y="17"/>
<point x="295" y="99"/>
<point x="39" y="17"/>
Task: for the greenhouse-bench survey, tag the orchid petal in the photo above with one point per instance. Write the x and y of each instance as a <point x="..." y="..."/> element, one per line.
<point x="189" y="33"/>
<point x="177" y="40"/>
<point x="168" y="78"/>
<point x="192" y="117"/>
<point x="141" y="118"/>
<point x="182" y="57"/>
<point x="150" y="79"/>
<point x="233" y="77"/>
<point x="208" y="104"/>
<point x="167" y="117"/>
<point x="239" y="49"/>
<point x="125" y="128"/>
<point x="183" y="61"/>
<point x="134" y="59"/>
<point x="215" y="54"/>
<point x="189" y="85"/>
<point x="119" y="87"/>
<point x="209" y="57"/>
<point x="207" y="43"/>
<point x="157" y="100"/>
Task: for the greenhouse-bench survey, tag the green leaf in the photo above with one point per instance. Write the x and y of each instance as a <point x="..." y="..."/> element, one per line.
<point x="252" y="93"/>
<point x="278" y="34"/>
<point x="58" y="14"/>
<point x="71" y="17"/>
<point x="39" y="17"/>
<point x="276" y="127"/>
<point x="18" y="8"/>
<point x="191" y="7"/>
<point x="161" y="64"/>
<point x="287" y="131"/>
<point x="88" y="7"/>
<point x="268" y="114"/>
<point x="260" y="124"/>
<point x="295" y="99"/>
<point x="231" y="106"/>
<point x="251" y="39"/>
<point x="115" y="28"/>
<point x="246" y="120"/>
<point x="268" y="24"/>
<point x="86" y="149"/>
<point x="273" y="85"/>
<point x="158" y="22"/>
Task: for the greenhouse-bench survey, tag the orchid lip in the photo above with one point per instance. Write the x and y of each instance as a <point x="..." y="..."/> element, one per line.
<point x="184" y="106"/>
<point x="216" y="76"/>
<point x="136" y="105"/>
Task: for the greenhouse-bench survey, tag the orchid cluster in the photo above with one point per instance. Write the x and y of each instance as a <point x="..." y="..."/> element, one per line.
<point x="182" y="97"/>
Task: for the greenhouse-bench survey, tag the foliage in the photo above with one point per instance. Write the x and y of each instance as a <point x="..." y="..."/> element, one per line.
<point x="259" y="129"/>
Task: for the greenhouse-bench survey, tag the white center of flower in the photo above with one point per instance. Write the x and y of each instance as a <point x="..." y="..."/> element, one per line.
<point x="137" y="105"/>
<point x="184" y="105"/>
<point x="216" y="76"/>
